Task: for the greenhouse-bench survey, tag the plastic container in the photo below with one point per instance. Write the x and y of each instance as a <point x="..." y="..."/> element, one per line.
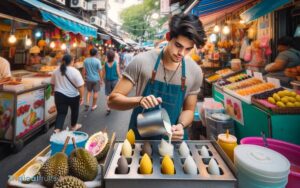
<point x="260" y="167"/>
<point x="227" y="143"/>
<point x="57" y="147"/>
<point x="236" y="64"/>
<point x="290" y="151"/>
<point x="218" y="123"/>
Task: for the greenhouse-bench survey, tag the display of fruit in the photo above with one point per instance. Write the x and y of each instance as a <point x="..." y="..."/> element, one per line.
<point x="48" y="68"/>
<point x="285" y="98"/>
<point x="31" y="172"/>
<point x="255" y="89"/>
<point x="244" y="84"/>
<point x="69" y="182"/>
<point x="238" y="78"/>
<point x="82" y="164"/>
<point x="98" y="145"/>
<point x="55" y="167"/>
<point x="23" y="109"/>
<point x="224" y="71"/>
<point x="292" y="72"/>
<point x="213" y="78"/>
<point x="267" y="94"/>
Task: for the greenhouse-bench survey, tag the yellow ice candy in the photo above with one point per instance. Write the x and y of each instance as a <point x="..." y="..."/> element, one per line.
<point x="146" y="165"/>
<point x="167" y="166"/>
<point x="130" y="137"/>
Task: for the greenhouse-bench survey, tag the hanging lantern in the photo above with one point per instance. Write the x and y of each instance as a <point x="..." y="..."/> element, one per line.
<point x="216" y="29"/>
<point x="42" y="43"/>
<point x="52" y="44"/>
<point x="12" y="39"/>
<point x="28" y="42"/>
<point x="226" y="30"/>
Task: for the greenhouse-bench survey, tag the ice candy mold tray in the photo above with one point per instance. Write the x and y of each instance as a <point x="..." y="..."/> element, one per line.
<point x="180" y="179"/>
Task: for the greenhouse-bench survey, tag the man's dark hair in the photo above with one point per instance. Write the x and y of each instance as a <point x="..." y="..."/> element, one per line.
<point x="110" y="55"/>
<point x="188" y="26"/>
<point x="286" y="41"/>
<point x="93" y="51"/>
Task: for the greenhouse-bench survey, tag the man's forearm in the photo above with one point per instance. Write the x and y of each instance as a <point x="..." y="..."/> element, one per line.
<point x="186" y="118"/>
<point x="120" y="102"/>
<point x="81" y="91"/>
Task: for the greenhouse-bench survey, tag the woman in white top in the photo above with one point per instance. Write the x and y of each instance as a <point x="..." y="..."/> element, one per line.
<point x="68" y="92"/>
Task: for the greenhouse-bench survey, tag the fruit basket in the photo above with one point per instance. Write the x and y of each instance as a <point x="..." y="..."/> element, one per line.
<point x="279" y="101"/>
<point x="158" y="176"/>
<point x="17" y="180"/>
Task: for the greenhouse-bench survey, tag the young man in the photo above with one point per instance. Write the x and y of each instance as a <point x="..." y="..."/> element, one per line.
<point x="165" y="77"/>
<point x="92" y="74"/>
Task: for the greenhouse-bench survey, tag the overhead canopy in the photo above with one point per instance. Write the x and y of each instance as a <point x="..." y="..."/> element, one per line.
<point x="62" y="19"/>
<point x="211" y="18"/>
<point x="262" y="8"/>
<point x="118" y="39"/>
<point x="210" y="6"/>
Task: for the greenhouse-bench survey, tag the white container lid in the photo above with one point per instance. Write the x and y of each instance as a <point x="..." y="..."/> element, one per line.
<point x="220" y="116"/>
<point x="261" y="161"/>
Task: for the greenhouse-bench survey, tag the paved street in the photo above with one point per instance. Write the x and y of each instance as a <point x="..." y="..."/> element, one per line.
<point x="92" y="122"/>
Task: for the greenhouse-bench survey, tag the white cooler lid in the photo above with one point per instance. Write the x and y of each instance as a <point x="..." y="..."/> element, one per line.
<point x="220" y="116"/>
<point x="261" y="161"/>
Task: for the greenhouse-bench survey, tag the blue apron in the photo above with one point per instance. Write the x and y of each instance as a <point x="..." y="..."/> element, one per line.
<point x="172" y="96"/>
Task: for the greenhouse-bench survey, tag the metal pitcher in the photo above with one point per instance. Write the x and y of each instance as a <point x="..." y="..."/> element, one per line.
<point x="154" y="123"/>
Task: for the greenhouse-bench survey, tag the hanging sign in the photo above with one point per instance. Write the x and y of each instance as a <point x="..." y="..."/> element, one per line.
<point x="234" y="108"/>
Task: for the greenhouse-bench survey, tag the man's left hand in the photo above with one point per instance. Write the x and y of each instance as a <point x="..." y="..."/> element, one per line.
<point x="177" y="132"/>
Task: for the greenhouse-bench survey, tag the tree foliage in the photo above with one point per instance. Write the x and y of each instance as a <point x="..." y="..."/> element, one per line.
<point x="136" y="19"/>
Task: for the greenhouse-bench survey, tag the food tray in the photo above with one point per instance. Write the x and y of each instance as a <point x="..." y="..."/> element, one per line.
<point x="135" y="180"/>
<point x="265" y="105"/>
<point x="15" y="181"/>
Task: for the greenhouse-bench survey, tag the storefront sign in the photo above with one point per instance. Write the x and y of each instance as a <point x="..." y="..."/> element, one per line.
<point x="234" y="108"/>
<point x="164" y="6"/>
<point x="30" y="111"/>
<point x="6" y="115"/>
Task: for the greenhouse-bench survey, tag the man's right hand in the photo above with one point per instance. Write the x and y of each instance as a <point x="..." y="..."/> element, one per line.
<point x="150" y="101"/>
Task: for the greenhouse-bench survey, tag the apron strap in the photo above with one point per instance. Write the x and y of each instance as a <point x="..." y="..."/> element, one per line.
<point x="183" y="77"/>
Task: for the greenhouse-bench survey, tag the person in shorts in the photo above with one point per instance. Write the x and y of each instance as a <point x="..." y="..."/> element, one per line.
<point x="92" y="74"/>
<point x="111" y="75"/>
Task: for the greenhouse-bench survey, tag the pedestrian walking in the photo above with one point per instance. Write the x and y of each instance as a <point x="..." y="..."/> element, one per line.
<point x="111" y="75"/>
<point x="68" y="86"/>
<point x="92" y="74"/>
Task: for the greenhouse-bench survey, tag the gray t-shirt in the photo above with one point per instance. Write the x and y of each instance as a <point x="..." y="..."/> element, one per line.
<point x="139" y="71"/>
<point x="290" y="56"/>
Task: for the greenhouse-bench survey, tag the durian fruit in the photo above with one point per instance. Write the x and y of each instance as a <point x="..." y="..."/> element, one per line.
<point x="82" y="164"/>
<point x="55" y="167"/>
<point x="69" y="182"/>
<point x="98" y="145"/>
<point x="130" y="137"/>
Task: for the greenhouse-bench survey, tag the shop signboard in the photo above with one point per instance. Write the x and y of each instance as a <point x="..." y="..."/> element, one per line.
<point x="50" y="109"/>
<point x="234" y="108"/>
<point x="6" y="115"/>
<point x="29" y="112"/>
